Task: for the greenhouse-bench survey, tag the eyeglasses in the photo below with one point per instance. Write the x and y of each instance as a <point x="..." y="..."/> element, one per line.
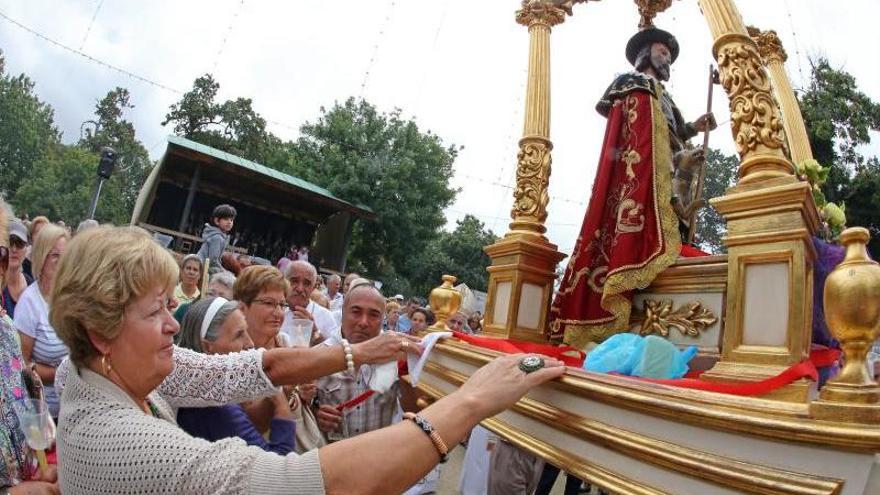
<point x="273" y="304"/>
<point x="4" y="257"/>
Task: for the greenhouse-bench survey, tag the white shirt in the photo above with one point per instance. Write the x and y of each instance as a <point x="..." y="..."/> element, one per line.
<point x="32" y="319"/>
<point x="324" y="320"/>
<point x="336" y="302"/>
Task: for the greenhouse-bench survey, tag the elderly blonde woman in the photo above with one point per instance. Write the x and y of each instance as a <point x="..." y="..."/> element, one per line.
<point x="117" y="431"/>
<point x="39" y="342"/>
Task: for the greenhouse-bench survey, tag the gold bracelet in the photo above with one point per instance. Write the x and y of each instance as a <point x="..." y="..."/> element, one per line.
<point x="429" y="430"/>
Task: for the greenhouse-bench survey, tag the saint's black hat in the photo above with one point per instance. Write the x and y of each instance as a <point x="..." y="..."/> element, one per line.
<point x="648" y="36"/>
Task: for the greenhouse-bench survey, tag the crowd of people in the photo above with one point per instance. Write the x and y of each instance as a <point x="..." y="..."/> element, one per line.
<point x="171" y="371"/>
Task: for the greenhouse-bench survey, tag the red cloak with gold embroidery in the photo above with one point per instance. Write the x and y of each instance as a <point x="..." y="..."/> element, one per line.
<point x="630" y="232"/>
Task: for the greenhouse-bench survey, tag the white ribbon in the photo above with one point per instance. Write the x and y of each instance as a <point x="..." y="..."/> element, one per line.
<point x="215" y="306"/>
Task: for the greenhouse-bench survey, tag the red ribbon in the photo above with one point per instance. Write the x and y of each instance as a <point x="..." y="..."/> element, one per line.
<point x="824" y="357"/>
<point x="804" y="369"/>
<point x="509" y="346"/>
<point x="357" y="400"/>
<point x="819" y="358"/>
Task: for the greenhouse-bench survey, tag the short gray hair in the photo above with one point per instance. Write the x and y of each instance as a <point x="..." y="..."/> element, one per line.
<point x="191" y="327"/>
<point x="224" y="278"/>
<point x="86" y="224"/>
<point x="334" y="277"/>
<point x="305" y="264"/>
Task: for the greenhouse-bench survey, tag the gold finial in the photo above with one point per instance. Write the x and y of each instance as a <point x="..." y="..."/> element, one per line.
<point x="852" y="308"/>
<point x="445" y="300"/>
<point x="648" y="9"/>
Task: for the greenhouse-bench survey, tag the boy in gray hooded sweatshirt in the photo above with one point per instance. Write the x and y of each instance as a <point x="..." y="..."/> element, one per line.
<point x="215" y="236"/>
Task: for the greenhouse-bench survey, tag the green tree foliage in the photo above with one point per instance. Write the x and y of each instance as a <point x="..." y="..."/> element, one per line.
<point x="110" y="129"/>
<point x="720" y="174"/>
<point x="60" y="186"/>
<point x="386" y="163"/>
<point x="27" y="130"/>
<point x="862" y="199"/>
<point x="458" y="253"/>
<point x="232" y="126"/>
<point x="839" y="119"/>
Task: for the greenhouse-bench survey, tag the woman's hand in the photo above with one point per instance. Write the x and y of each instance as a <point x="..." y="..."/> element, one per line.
<point x="499" y="384"/>
<point x="387" y="347"/>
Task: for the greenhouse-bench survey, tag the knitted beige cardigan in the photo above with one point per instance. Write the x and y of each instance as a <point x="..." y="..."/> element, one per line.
<point x="107" y="444"/>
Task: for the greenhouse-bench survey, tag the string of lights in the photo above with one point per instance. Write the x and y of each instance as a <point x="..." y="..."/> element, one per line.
<point x="107" y="65"/>
<point x="379" y="37"/>
<point x="226" y="35"/>
<point x="91" y="23"/>
<point x="90" y="58"/>
<point x="797" y="50"/>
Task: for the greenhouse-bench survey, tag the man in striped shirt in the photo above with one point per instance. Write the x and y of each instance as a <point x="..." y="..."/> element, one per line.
<point x="362" y="315"/>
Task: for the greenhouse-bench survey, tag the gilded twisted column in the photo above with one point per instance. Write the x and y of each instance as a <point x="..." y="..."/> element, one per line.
<point x="771" y="50"/>
<point x="533" y="160"/>
<point x="755" y="118"/>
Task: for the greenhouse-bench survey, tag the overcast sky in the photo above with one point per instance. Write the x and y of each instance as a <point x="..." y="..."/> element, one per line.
<point x="456" y="66"/>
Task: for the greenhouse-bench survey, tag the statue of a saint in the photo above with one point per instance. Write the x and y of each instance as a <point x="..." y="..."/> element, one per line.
<point x="641" y="201"/>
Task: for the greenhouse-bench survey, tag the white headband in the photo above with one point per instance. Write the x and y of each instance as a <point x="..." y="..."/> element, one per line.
<point x="215" y="306"/>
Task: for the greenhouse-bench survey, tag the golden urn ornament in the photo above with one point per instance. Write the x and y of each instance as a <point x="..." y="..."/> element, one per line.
<point x="852" y="308"/>
<point x="445" y="300"/>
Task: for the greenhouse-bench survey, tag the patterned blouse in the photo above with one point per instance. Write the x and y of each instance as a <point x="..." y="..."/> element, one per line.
<point x="107" y="445"/>
<point x="17" y="461"/>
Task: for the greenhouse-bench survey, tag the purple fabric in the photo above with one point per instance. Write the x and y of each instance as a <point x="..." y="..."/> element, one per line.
<point x="828" y="256"/>
<point x="216" y="423"/>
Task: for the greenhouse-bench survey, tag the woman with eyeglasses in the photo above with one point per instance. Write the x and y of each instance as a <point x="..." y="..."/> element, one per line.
<point x="39" y="342"/>
<point x="262" y="294"/>
<point x="15" y="281"/>
<point x="262" y="291"/>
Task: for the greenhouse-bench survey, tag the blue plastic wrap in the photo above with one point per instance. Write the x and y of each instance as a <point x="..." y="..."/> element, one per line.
<point x="633" y="355"/>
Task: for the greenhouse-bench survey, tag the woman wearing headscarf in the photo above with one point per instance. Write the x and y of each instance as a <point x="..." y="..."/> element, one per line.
<point x="217" y="326"/>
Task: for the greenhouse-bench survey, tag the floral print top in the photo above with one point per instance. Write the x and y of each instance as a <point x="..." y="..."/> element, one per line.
<point x="16" y="461"/>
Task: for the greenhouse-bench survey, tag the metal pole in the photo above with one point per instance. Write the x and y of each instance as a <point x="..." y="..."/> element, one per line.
<point x="94" y="205"/>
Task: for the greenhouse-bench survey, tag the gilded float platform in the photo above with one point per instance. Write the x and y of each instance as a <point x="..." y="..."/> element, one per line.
<point x="632" y="437"/>
<point x="749" y="312"/>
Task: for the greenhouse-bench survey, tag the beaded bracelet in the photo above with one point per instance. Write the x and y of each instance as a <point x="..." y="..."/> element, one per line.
<point x="349" y="356"/>
<point x="429" y="430"/>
